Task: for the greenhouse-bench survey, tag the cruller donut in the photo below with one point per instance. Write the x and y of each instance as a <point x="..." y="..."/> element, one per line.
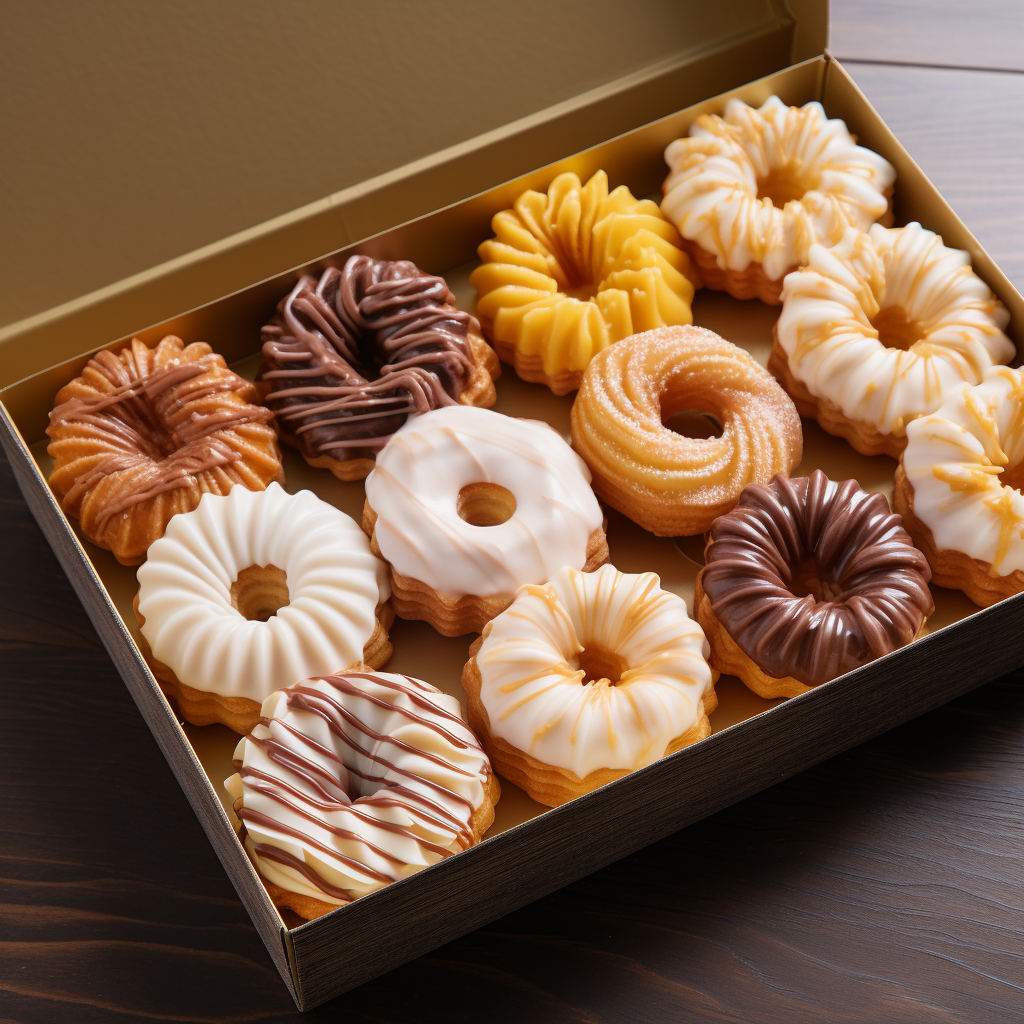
<point x="466" y="505"/>
<point x="877" y="329"/>
<point x="354" y="780"/>
<point x="667" y="483"/>
<point x="254" y="591"/>
<point x="587" y="678"/>
<point x="807" y="579"/>
<point x="348" y="358"/>
<point x="958" y="487"/>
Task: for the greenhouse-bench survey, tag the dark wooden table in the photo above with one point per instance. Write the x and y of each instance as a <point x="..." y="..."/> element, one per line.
<point x="885" y="885"/>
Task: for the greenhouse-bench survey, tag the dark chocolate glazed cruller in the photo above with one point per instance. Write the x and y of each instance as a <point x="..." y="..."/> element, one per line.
<point x="807" y="579"/>
<point x="348" y="358"/>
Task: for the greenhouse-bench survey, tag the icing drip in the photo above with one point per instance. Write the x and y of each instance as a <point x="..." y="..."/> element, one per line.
<point x="532" y="673"/>
<point x="763" y="185"/>
<point x="957" y="461"/>
<point x="864" y="585"/>
<point x="836" y="311"/>
<point x="349" y="357"/>
<point x="414" y="489"/>
<point x="355" y="780"/>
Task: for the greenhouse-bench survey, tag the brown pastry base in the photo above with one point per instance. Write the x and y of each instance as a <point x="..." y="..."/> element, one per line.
<point x="727" y="658"/>
<point x="863" y="437"/>
<point x="204" y="707"/>
<point x="479" y="391"/>
<point x="309" y="907"/>
<point x="467" y="613"/>
<point x="952" y="569"/>
<point x="530" y="367"/>
<point x="544" y="782"/>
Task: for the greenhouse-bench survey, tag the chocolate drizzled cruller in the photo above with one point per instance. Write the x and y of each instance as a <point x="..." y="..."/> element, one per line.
<point x="348" y="358"/>
<point x="807" y="579"/>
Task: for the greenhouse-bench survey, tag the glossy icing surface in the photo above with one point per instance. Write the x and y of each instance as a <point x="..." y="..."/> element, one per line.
<point x="349" y="357"/>
<point x="946" y="319"/>
<point x="813" y="578"/>
<point x="956" y="461"/>
<point x="354" y="780"/>
<point x="334" y="585"/>
<point x="415" y="485"/>
<point x="574" y="270"/>
<point x="763" y="185"/>
<point x="534" y="691"/>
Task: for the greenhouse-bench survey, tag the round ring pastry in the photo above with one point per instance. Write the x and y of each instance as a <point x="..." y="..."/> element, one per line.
<point x="348" y="358"/>
<point x="750" y="192"/>
<point x="467" y="505"/>
<point x="144" y="433"/>
<point x="352" y="781"/>
<point x="571" y="272"/>
<point x="958" y="487"/>
<point x="877" y="329"/>
<point x="254" y="591"/>
<point x="805" y="580"/>
<point x="586" y="679"/>
<point x="669" y="484"/>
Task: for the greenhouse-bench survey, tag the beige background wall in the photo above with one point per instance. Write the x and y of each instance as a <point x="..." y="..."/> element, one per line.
<point x="136" y="131"/>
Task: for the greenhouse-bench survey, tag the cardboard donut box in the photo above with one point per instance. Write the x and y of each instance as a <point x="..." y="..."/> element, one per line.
<point x="445" y="204"/>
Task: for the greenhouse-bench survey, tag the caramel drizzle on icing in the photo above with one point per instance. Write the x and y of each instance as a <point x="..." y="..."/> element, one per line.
<point x="329" y="791"/>
<point x="349" y="357"/>
<point x="140" y="423"/>
<point x="874" y="581"/>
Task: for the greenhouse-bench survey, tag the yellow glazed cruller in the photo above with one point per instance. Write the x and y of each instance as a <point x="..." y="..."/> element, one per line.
<point x="570" y="272"/>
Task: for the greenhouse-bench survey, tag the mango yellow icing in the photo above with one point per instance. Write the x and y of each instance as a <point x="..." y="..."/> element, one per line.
<point x="573" y="271"/>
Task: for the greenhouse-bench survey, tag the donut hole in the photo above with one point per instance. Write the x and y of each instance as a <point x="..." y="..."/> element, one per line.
<point x="260" y="592"/>
<point x="1013" y="476"/>
<point x="485" y="504"/>
<point x="809" y="579"/>
<point x="693" y="423"/>
<point x="896" y="329"/>
<point x="785" y="184"/>
<point x="599" y="663"/>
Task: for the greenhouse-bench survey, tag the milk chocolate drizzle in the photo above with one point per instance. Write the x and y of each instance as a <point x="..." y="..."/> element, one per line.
<point x="350" y="356"/>
<point x="151" y="429"/>
<point x="814" y="578"/>
<point x="307" y="792"/>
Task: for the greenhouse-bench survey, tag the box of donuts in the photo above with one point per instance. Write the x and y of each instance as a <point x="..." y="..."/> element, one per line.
<point x="531" y="524"/>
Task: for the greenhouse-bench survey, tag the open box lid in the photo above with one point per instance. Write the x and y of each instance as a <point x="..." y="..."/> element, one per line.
<point x="671" y="55"/>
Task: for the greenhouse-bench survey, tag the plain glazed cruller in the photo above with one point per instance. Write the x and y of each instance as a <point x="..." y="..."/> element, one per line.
<point x="807" y="579"/>
<point x="467" y="505"/>
<point x="876" y="330"/>
<point x="254" y="591"/>
<point x="355" y="780"/>
<point x="958" y="487"/>
<point x="667" y="483"/>
<point x="750" y="192"/>
<point x="348" y="358"/>
<point x="570" y="272"/>
<point x="586" y="679"/>
<point x="145" y="432"/>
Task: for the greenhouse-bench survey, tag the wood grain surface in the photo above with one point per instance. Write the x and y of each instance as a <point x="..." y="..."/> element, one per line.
<point x="884" y="885"/>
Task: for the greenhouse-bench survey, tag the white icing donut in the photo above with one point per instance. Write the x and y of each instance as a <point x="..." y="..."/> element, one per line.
<point x="906" y="277"/>
<point x="716" y="175"/>
<point x="532" y="687"/>
<point x="414" y="490"/>
<point x="334" y="585"/>
<point x="356" y="780"/>
<point x="953" y="460"/>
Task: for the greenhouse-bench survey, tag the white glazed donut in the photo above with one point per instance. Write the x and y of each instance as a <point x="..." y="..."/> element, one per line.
<point x="191" y="622"/>
<point x="556" y="732"/>
<point x="882" y="325"/>
<point x="956" y="465"/>
<point x="428" y="467"/>
<point x="355" y="780"/>
<point x="822" y="180"/>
